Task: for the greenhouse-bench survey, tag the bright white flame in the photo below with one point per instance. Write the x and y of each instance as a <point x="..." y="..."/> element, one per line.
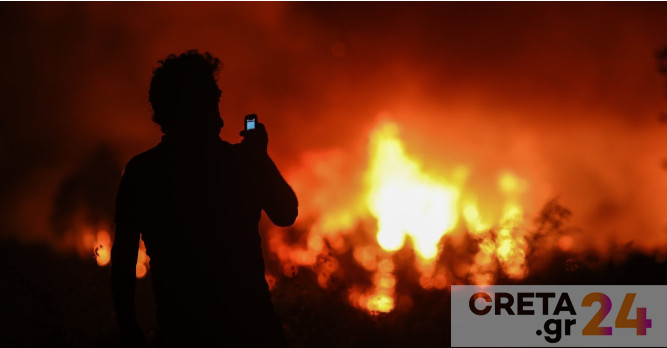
<point x="405" y="200"/>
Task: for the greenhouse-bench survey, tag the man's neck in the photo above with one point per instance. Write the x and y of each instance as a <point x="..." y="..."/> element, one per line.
<point x="191" y="139"/>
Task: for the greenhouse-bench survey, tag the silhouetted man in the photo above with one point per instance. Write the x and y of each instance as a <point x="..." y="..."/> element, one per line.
<point x="196" y="201"/>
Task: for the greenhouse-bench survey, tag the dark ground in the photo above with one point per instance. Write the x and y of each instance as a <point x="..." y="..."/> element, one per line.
<point x="51" y="300"/>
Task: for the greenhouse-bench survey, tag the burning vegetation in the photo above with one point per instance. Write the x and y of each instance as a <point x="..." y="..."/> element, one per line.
<point x="409" y="218"/>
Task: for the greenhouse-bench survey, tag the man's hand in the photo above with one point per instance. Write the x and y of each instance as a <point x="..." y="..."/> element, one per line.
<point x="255" y="141"/>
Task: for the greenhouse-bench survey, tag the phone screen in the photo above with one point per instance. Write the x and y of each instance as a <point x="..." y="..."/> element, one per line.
<point x="250" y="124"/>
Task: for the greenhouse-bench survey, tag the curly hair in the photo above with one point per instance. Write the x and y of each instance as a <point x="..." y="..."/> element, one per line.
<point x="181" y="86"/>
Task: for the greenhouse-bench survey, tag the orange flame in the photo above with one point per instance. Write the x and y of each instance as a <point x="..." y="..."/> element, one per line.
<point x="103" y="248"/>
<point x="102" y="251"/>
<point x="408" y="204"/>
<point x="405" y="201"/>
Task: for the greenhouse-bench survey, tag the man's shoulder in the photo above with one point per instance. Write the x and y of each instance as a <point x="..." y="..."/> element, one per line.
<point x="145" y="160"/>
<point x="154" y="157"/>
<point x="232" y="147"/>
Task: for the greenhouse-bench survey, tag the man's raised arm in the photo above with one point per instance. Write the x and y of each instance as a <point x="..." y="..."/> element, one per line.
<point x="277" y="198"/>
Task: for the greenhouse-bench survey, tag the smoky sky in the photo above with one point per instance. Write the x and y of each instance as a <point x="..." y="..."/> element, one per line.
<point x="567" y="96"/>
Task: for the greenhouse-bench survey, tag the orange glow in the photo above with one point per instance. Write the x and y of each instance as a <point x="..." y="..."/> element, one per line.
<point x="102" y="248"/>
<point x="412" y="209"/>
<point x="142" y="260"/>
<point x="565" y="243"/>
<point x="381" y="297"/>
<point x="101" y="244"/>
<point x="271" y="281"/>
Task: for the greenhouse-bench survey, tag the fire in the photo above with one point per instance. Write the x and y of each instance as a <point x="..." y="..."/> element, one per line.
<point x="103" y="248"/>
<point x="406" y="201"/>
<point x="142" y="260"/>
<point x="101" y="242"/>
<point x="411" y="208"/>
<point x="381" y="298"/>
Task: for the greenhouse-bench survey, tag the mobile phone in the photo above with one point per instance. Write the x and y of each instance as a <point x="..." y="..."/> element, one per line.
<point x="250" y="122"/>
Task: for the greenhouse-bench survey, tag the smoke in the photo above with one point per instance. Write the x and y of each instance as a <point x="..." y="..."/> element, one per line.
<point x="88" y="193"/>
<point x="564" y="95"/>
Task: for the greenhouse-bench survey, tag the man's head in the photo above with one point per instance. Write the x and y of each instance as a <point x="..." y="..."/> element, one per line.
<point x="185" y="95"/>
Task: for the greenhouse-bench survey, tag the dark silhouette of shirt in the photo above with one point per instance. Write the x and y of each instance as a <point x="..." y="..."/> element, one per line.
<point x="196" y="203"/>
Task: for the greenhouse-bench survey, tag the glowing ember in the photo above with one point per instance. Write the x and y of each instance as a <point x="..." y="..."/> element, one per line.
<point x="103" y="248"/>
<point x="271" y="281"/>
